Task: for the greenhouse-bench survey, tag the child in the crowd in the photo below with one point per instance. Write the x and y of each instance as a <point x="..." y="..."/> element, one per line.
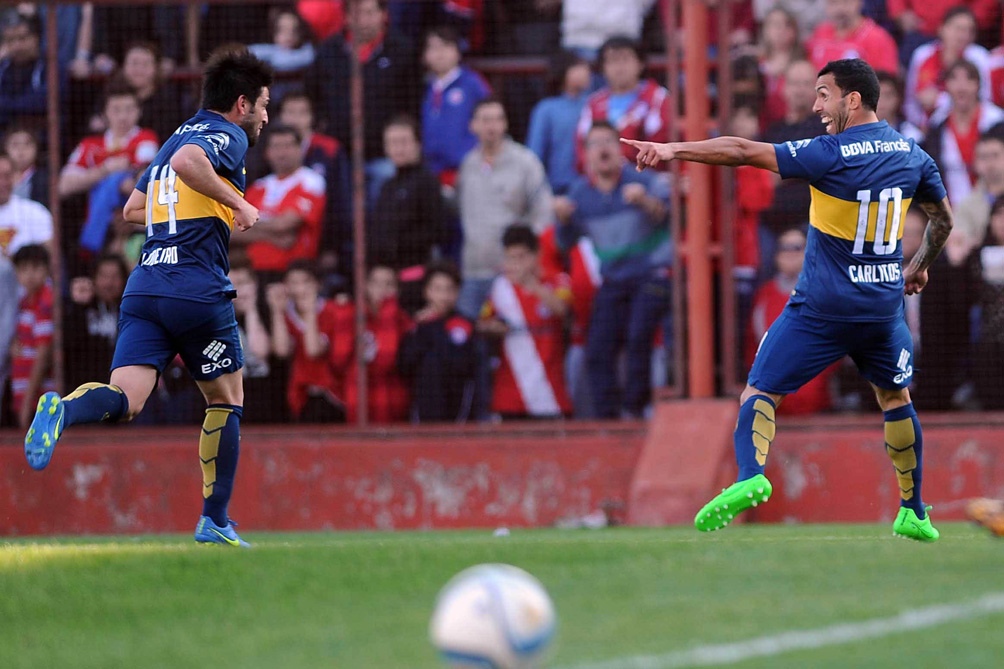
<point x="386" y="325"/>
<point x="31" y="353"/>
<point x="105" y="165"/>
<point x="301" y="319"/>
<point x="438" y="356"/>
<point x="449" y="104"/>
<point x="528" y="314"/>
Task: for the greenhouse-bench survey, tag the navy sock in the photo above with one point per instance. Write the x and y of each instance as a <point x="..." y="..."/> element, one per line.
<point x="219" y="448"/>
<point x="94" y="402"/>
<point x="904" y="442"/>
<point x="753" y="435"/>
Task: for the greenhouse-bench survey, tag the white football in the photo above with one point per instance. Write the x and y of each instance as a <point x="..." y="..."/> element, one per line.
<point x="493" y="616"/>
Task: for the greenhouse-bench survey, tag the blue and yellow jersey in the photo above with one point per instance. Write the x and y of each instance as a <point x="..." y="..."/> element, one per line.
<point x="188" y="234"/>
<point x="862" y="181"/>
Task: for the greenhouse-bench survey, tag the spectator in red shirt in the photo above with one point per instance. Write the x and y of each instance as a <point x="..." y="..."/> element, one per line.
<point x="768" y="304"/>
<point x="952" y="137"/>
<point x="291" y="204"/>
<point x="918" y="20"/>
<point x="847" y="33"/>
<point x="326" y="156"/>
<point x="31" y="354"/>
<point x="637" y="108"/>
<point x="105" y="166"/>
<point x="754" y="193"/>
<point x="386" y="325"/>
<point x="301" y="319"/>
<point x="925" y="80"/>
<point x="528" y="315"/>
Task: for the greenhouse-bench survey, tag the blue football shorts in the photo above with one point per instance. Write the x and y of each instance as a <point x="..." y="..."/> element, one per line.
<point x="797" y="347"/>
<point x="152" y="330"/>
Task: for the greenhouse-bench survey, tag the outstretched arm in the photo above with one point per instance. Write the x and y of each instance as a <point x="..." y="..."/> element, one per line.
<point x="730" y="151"/>
<point x="939" y="226"/>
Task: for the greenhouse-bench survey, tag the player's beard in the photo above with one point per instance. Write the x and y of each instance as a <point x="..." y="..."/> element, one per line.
<point x="841" y="118"/>
<point x="252" y="128"/>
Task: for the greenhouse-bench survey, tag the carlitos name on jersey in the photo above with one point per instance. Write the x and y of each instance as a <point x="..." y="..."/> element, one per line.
<point x="162" y="255"/>
<point x="876" y="146"/>
<point x="884" y="273"/>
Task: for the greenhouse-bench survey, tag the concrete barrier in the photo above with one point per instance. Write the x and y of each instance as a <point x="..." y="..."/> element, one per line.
<point x="824" y="469"/>
<point x="131" y="479"/>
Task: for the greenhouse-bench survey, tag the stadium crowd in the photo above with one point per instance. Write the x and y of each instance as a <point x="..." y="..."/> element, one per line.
<point x="517" y="265"/>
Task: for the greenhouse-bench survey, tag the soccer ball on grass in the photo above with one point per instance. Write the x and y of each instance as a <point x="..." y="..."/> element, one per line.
<point x="493" y="616"/>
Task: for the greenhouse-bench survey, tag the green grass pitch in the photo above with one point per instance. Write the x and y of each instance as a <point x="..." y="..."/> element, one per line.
<point x="363" y="600"/>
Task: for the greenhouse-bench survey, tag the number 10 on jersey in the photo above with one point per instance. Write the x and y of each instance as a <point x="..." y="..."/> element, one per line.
<point x="167" y="196"/>
<point x="883" y="246"/>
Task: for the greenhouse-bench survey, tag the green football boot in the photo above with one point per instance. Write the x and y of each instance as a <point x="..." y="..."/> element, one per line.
<point x="732" y="501"/>
<point x="908" y="526"/>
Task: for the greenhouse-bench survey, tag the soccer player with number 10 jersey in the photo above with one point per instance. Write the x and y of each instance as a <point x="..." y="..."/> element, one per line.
<point x="863" y="176"/>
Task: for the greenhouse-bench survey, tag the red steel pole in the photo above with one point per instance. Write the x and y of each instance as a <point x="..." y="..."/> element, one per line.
<point x="700" y="307"/>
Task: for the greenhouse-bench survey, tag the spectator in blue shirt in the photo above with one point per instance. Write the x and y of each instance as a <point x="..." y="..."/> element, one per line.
<point x="551" y="134"/>
<point x="23" y="81"/>
<point x="623" y="213"/>
<point x="448" y="105"/>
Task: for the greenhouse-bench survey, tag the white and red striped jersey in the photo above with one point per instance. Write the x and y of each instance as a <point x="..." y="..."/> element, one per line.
<point x="530" y="379"/>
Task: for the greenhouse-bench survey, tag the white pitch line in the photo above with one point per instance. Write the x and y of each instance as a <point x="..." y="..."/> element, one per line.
<point x="730" y="653"/>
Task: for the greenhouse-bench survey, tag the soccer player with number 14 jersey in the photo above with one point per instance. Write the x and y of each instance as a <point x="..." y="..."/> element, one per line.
<point x="178" y="300"/>
<point x="863" y="175"/>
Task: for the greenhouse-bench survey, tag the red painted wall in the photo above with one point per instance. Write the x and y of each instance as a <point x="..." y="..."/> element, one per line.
<point x="133" y="480"/>
<point x="836" y="469"/>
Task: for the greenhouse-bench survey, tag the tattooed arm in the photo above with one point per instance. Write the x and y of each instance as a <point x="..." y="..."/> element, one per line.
<point x="939" y="226"/>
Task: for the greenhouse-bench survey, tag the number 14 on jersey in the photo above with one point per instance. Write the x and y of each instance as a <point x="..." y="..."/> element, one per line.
<point x="165" y="179"/>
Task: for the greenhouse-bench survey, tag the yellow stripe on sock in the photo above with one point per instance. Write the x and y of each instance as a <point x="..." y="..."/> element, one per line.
<point x="83" y="389"/>
<point x="764" y="429"/>
<point x="899" y="440"/>
<point x="209" y="446"/>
